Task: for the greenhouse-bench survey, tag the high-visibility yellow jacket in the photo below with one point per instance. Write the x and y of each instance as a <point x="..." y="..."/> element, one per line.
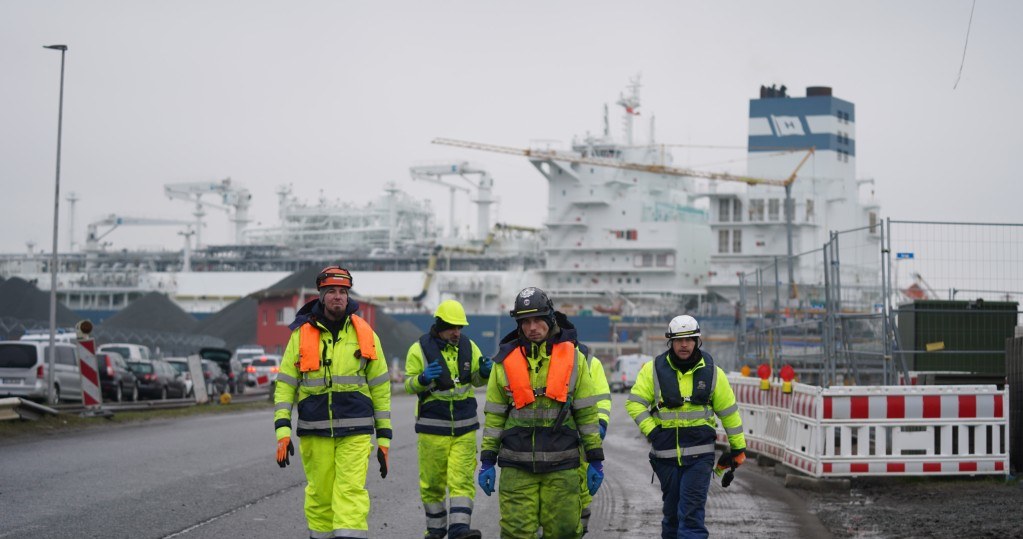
<point x="348" y="394"/>
<point x="453" y="411"/>
<point x="689" y="429"/>
<point x="529" y="437"/>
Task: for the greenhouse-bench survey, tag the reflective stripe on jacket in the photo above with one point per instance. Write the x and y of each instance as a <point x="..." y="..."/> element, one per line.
<point x="347" y="393"/>
<point x="530" y="436"/>
<point x="677" y="431"/>
<point x="450" y="412"/>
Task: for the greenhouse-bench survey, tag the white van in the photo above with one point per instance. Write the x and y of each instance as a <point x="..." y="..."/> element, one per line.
<point x="23" y="370"/>
<point x="623" y="374"/>
<point x="130" y="352"/>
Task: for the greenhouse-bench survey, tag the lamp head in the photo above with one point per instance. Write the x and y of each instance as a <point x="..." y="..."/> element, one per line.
<point x="56" y="47"/>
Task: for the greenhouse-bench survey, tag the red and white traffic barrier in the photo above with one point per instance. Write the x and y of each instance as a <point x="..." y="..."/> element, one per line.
<point x="92" y="393"/>
<point x="876" y="430"/>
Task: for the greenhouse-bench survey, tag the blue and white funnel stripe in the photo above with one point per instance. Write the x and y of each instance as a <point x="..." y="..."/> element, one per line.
<point x="824" y="122"/>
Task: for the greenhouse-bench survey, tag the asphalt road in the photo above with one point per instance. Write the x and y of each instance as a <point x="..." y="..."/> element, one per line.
<point x="215" y="477"/>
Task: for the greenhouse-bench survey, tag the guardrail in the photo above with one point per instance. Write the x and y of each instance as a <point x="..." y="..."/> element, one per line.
<point x="877" y="430"/>
<point x="19" y="408"/>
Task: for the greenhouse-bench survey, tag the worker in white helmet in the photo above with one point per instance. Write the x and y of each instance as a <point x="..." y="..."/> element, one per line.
<point x="674" y="402"/>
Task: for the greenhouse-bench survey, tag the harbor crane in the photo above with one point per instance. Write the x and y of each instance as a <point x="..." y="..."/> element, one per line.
<point x="565" y="159"/>
<point x="93" y="236"/>
<point x="484" y="186"/>
<point x="231" y="196"/>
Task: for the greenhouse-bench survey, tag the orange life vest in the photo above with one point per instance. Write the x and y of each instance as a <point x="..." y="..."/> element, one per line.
<point x="558" y="374"/>
<point x="309" y="344"/>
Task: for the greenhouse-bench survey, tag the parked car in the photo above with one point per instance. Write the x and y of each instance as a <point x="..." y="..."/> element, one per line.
<point x="157" y="379"/>
<point x="262" y="371"/>
<point x="23" y="370"/>
<point x="216" y="379"/>
<point x="231" y="366"/>
<point x="116" y="380"/>
<point x="129" y="351"/>
<point x="248" y="351"/>
<point x="180" y="364"/>
<point x="623" y="374"/>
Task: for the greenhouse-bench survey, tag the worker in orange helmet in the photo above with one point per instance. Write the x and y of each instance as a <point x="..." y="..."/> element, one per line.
<point x="334" y="371"/>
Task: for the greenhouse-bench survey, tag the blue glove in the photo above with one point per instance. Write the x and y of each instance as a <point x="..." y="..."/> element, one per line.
<point x="432" y="372"/>
<point x="487" y="478"/>
<point x="485" y="366"/>
<point x="594" y="476"/>
<point x="603" y="430"/>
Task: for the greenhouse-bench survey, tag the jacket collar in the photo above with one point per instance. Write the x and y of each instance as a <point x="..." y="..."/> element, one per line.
<point x="313" y="311"/>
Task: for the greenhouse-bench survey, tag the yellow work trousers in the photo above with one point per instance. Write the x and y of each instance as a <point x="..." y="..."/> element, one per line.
<point x="447" y="465"/>
<point x="530" y="501"/>
<point x="336" y="499"/>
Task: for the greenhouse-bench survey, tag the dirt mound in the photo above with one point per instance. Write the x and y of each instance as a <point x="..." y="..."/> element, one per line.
<point x="21" y="300"/>
<point x="154" y="311"/>
<point x="395" y="337"/>
<point x="236" y="323"/>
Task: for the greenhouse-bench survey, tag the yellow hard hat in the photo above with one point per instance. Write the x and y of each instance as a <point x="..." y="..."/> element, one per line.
<point x="451" y="312"/>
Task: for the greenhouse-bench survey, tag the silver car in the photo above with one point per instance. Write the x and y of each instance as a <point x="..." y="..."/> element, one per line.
<point x="23" y="370"/>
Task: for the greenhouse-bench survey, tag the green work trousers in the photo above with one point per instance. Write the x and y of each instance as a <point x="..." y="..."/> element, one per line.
<point x="336" y="499"/>
<point x="447" y="465"/>
<point x="530" y="501"/>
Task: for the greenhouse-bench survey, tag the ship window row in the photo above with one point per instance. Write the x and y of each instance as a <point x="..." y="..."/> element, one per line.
<point x="843" y="117"/>
<point x="628" y="235"/>
<point x="759" y="210"/>
<point x="843" y="138"/>
<point x="727" y="207"/>
<point x="724" y="236"/>
<point x="596" y="280"/>
<point x="842" y="155"/>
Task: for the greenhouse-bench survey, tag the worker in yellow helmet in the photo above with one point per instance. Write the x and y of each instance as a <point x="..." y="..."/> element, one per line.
<point x="334" y="371"/>
<point x="443" y="367"/>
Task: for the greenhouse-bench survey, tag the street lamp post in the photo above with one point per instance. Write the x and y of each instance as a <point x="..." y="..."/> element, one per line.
<point x="50" y="396"/>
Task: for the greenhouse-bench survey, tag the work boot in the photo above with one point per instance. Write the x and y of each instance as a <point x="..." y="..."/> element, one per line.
<point x="468" y="534"/>
<point x="434" y="535"/>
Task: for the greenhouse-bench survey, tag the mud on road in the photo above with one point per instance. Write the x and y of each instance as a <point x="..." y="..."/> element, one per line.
<point x="937" y="507"/>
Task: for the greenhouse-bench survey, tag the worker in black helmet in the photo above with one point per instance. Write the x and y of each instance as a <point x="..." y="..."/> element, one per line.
<point x="541" y="406"/>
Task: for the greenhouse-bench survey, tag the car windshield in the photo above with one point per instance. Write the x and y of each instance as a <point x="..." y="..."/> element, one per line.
<point x="180" y="366"/>
<point x="141" y="368"/>
<point x="123" y="350"/>
<point x="17" y="356"/>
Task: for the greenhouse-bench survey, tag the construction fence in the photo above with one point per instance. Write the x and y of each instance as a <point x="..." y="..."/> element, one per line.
<point x="898" y="302"/>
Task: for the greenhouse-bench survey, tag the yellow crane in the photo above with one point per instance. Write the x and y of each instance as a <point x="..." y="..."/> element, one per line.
<point x="571" y="157"/>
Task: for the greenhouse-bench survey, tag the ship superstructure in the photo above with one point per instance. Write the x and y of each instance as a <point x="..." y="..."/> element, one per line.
<point x="626" y="231"/>
<point x="748" y="224"/>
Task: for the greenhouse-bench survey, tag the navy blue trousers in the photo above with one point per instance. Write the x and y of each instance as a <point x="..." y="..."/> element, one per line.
<point x="684" y="494"/>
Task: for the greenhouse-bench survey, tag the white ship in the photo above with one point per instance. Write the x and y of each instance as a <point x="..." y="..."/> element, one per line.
<point x="627" y="232"/>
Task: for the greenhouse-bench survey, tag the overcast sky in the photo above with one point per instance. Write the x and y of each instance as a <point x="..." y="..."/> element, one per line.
<point x="341" y="97"/>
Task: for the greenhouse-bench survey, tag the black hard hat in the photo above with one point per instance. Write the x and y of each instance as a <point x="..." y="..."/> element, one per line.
<point x="532" y="302"/>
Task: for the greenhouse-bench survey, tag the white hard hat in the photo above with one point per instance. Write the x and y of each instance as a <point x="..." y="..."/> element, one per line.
<point x="683" y="327"/>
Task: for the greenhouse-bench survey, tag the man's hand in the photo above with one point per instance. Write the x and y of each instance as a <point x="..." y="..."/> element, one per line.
<point x="284" y="448"/>
<point x="487" y="478"/>
<point x="594" y="476"/>
<point x="382" y="458"/>
<point x="733" y="459"/>
<point x="432" y="372"/>
<point x="486" y="365"/>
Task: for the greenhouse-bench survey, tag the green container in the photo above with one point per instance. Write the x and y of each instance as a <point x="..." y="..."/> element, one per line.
<point x="960" y="336"/>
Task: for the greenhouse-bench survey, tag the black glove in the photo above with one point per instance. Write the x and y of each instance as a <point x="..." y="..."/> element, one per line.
<point x="734" y="458"/>
<point x="382" y="459"/>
